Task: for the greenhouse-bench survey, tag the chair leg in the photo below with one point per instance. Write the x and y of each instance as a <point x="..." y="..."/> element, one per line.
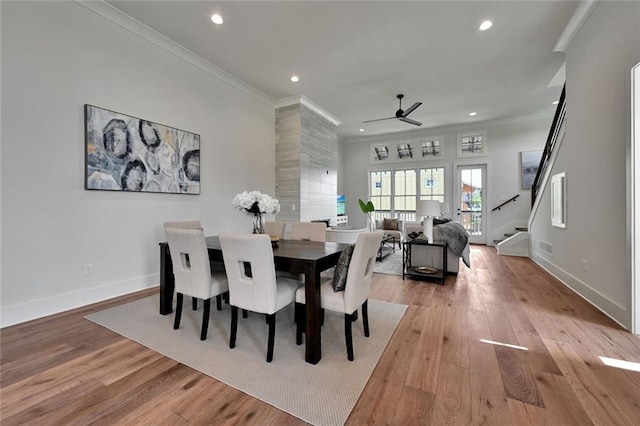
<point x="176" y="321"/>
<point x="354" y="316"/>
<point x="225" y="296"/>
<point x="245" y="314"/>
<point x="300" y="322"/>
<point x="271" y="320"/>
<point x="219" y="302"/>
<point x="194" y="303"/>
<point x="205" y="319"/>
<point x="365" y="318"/>
<point x="234" y="326"/>
<point x="347" y="335"/>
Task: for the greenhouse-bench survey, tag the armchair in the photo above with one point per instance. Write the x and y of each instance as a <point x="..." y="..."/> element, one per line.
<point x="392" y="227"/>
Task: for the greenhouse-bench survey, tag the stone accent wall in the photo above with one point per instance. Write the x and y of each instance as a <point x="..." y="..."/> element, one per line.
<point x="306" y="164"/>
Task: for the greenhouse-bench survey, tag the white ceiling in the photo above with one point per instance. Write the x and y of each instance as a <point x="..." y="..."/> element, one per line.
<point x="354" y="57"/>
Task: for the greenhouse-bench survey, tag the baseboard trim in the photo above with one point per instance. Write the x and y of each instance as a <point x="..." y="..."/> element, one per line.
<point x="22" y="312"/>
<point x="605" y="305"/>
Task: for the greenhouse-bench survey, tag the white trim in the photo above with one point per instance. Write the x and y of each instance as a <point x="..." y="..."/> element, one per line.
<point x="292" y="100"/>
<point x="136" y="27"/>
<point x="579" y="17"/>
<point x="634" y="209"/>
<point x="558" y="191"/>
<point x="22" y="312"/>
<point x="610" y="308"/>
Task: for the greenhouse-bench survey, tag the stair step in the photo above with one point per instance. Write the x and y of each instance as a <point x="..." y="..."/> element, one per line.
<point x="496" y="242"/>
<point x="508" y="235"/>
<point x="522" y="228"/>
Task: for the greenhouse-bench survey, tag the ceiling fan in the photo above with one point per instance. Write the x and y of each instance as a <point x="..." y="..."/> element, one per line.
<point x="400" y="114"/>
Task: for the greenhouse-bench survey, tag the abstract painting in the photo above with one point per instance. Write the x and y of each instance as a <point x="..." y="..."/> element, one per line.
<point x="529" y="163"/>
<point x="124" y="153"/>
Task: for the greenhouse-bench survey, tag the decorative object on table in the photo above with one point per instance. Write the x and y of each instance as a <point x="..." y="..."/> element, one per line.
<point x="125" y="153"/>
<point x="256" y="204"/>
<point x="425" y="270"/>
<point x="529" y="163"/>
<point x="368" y="208"/>
<point x="428" y="209"/>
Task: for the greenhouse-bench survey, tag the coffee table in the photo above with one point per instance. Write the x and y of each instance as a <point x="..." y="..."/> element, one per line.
<point x="387" y="246"/>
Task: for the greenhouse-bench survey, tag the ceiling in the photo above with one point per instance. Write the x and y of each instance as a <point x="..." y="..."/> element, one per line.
<point x="353" y="58"/>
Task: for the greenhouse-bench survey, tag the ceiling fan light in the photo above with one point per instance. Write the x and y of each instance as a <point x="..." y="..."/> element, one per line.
<point x="485" y="26"/>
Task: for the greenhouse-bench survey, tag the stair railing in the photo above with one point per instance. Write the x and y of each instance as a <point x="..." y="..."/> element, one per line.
<point x="552" y="138"/>
<point x="506" y="202"/>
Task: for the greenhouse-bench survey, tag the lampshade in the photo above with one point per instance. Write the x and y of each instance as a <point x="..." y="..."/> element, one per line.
<point x="428" y="208"/>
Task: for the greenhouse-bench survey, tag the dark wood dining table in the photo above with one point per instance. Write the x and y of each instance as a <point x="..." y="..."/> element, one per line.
<point x="304" y="257"/>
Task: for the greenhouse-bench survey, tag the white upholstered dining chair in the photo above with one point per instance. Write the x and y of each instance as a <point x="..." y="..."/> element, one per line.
<point x="192" y="272"/>
<point x="260" y="290"/>
<point x="355" y="294"/>
<point x="311" y="231"/>
<point x="275" y="228"/>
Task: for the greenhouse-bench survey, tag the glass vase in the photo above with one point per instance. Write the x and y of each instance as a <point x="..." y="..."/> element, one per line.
<point x="258" y="224"/>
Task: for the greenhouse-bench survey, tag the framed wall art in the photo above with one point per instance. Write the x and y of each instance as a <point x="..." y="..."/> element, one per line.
<point x="125" y="153"/>
<point x="529" y="163"/>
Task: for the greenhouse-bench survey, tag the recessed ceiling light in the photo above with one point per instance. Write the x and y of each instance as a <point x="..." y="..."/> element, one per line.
<point x="362" y="130"/>
<point x="216" y="19"/>
<point x="473" y="113"/>
<point x="295" y="78"/>
<point x="485" y="26"/>
<point x="555" y="102"/>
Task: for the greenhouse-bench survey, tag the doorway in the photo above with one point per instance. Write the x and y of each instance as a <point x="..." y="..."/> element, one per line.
<point x="470" y="207"/>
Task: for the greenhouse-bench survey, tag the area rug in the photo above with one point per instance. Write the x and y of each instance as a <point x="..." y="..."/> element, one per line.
<point x="321" y="394"/>
<point x="391" y="264"/>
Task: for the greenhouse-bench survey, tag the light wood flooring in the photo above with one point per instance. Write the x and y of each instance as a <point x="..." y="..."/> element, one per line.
<point x="502" y="343"/>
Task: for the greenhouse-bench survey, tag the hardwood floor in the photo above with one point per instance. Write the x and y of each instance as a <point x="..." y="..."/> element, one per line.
<point x="501" y="343"/>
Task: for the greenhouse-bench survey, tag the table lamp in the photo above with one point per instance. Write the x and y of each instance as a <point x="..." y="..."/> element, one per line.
<point x="428" y="209"/>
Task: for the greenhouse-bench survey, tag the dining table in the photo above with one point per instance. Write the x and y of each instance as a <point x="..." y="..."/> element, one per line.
<point x="309" y="258"/>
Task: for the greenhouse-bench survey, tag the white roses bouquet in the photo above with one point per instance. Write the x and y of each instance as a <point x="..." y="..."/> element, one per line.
<point x="256" y="203"/>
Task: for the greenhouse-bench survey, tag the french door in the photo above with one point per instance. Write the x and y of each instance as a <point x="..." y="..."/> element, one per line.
<point x="470" y="207"/>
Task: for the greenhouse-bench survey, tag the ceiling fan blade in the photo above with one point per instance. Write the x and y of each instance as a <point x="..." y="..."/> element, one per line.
<point x="410" y="121"/>
<point x="378" y="119"/>
<point x="411" y="108"/>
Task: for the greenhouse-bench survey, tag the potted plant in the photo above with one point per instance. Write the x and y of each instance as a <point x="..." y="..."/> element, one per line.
<point x="368" y="208"/>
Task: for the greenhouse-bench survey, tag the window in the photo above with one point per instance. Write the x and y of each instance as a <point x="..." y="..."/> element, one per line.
<point x="472" y="144"/>
<point x="395" y="193"/>
<point x="381" y="152"/>
<point x="380" y="189"/>
<point x="404" y="195"/>
<point x="431" y="148"/>
<point x="432" y="184"/>
<point x="405" y="151"/>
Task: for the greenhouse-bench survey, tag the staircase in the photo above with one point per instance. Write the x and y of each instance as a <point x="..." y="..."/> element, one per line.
<point x="516" y="244"/>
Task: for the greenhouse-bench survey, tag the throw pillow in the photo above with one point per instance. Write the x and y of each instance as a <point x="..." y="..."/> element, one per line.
<point x="340" y="273"/>
<point x="437" y="221"/>
<point x="390" y="224"/>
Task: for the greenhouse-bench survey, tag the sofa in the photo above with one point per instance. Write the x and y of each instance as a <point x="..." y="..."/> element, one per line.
<point x="347" y="236"/>
<point x="432" y="256"/>
<point x="391" y="230"/>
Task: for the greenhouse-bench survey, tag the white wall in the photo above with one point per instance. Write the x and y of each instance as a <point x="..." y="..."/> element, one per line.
<point x="57" y="56"/>
<point x="591" y="254"/>
<point x="505" y="142"/>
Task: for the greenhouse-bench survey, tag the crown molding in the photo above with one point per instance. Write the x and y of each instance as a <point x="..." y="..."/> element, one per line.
<point x="293" y="100"/>
<point x="429" y="132"/>
<point x="579" y="17"/>
<point x="136" y="27"/>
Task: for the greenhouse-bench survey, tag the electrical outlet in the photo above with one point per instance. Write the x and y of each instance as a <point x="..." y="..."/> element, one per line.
<point x="88" y="269"/>
<point x="584" y="265"/>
